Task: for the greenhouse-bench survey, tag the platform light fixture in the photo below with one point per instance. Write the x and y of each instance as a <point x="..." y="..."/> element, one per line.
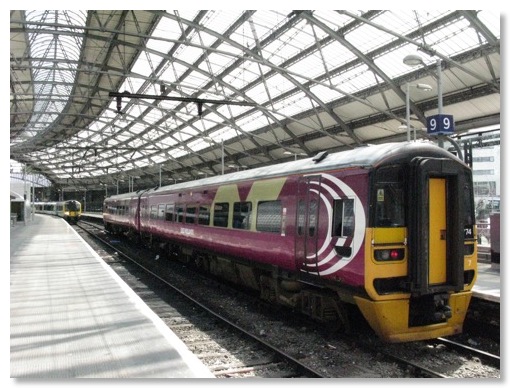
<point x="415" y="60"/>
<point x="295" y="154"/>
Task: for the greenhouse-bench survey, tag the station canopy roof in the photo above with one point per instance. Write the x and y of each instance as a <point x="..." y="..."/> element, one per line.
<point x="110" y="97"/>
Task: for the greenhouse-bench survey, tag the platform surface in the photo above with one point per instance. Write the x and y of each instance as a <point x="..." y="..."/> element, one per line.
<point x="488" y="282"/>
<point x="71" y="316"/>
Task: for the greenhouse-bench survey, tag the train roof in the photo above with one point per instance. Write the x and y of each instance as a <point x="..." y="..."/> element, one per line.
<point x="365" y="156"/>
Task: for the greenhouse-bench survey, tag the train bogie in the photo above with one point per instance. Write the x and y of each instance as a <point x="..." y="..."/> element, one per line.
<point x="388" y="229"/>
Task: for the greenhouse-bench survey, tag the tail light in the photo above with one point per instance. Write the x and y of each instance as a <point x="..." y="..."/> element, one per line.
<point x="394" y="254"/>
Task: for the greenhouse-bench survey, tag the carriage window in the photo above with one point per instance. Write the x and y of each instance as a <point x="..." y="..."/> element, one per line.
<point x="161" y="211"/>
<point x="343" y="218"/>
<point x="312" y="217"/>
<point x="389" y="197"/>
<point x="301" y="218"/>
<point x="169" y="212"/>
<point x="242" y="215"/>
<point x="179" y="210"/>
<point x="153" y="213"/>
<point x="269" y="216"/>
<point x="221" y="214"/>
<point x="191" y="214"/>
<point x="204" y="215"/>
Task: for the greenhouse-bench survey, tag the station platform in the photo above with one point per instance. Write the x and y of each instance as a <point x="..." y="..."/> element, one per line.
<point x="71" y="316"/>
<point x="487" y="285"/>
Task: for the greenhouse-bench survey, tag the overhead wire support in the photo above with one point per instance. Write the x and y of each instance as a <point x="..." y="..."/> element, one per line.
<point x="198" y="101"/>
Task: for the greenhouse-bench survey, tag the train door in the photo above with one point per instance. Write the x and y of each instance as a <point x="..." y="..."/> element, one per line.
<point x="307" y="225"/>
<point x="436" y="239"/>
<point x="437" y="231"/>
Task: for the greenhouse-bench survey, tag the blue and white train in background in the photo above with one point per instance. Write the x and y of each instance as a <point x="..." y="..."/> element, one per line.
<point x="69" y="210"/>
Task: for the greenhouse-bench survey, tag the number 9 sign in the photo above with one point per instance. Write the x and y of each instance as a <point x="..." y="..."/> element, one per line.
<point x="440" y="125"/>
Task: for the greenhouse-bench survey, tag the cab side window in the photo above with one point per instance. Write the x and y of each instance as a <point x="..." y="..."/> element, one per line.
<point x="343" y="217"/>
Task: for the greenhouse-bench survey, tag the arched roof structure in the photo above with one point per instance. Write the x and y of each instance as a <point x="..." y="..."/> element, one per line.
<point x="99" y="97"/>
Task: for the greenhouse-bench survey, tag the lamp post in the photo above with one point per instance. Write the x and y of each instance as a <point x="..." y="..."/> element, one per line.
<point x="415" y="60"/>
<point x="408" y="108"/>
<point x="222" y="158"/>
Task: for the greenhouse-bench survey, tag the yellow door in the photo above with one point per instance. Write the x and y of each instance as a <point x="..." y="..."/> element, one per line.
<point x="437" y="231"/>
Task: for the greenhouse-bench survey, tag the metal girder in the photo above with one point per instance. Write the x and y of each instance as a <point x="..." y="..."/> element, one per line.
<point x="89" y="135"/>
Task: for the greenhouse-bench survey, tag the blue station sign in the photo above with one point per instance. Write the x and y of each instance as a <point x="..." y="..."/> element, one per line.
<point x="440" y="125"/>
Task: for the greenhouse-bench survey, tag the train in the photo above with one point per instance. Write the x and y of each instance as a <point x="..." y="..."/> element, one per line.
<point x="70" y="210"/>
<point x="384" y="232"/>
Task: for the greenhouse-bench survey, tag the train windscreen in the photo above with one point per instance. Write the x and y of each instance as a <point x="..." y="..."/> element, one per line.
<point x="389" y="197"/>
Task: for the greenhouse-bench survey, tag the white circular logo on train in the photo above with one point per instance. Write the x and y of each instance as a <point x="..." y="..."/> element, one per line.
<point x="326" y="256"/>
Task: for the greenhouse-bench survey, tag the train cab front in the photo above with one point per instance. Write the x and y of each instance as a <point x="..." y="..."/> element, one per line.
<point x="421" y="254"/>
<point x="72" y="211"/>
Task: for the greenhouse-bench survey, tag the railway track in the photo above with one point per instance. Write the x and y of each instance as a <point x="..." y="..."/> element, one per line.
<point x="443" y="358"/>
<point x="269" y="346"/>
<point x="205" y="332"/>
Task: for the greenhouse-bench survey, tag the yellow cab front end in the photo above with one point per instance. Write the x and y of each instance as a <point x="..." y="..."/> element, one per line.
<point x="387" y="309"/>
<point x="419" y="271"/>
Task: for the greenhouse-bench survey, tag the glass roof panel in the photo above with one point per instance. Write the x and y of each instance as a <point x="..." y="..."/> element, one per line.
<point x="492" y="20"/>
<point x="333" y="20"/>
<point x="350" y="82"/>
<point x="294" y="40"/>
<point x="403" y="22"/>
<point x="277" y="84"/>
<point x="336" y="54"/>
<point x="174" y="71"/>
<point x="49" y="44"/>
<point x="217" y="63"/>
<point x="290" y="106"/>
<point x="252" y="122"/>
<point x="367" y="38"/>
<point x="165" y="29"/>
<point x="311" y="65"/>
<point x="195" y="68"/>
<point x="220" y="21"/>
<point x="241" y="76"/>
<point x="177" y="152"/>
<point x="190" y="54"/>
<point x="454" y="38"/>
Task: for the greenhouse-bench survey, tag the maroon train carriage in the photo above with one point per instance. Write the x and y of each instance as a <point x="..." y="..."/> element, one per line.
<point x="387" y="228"/>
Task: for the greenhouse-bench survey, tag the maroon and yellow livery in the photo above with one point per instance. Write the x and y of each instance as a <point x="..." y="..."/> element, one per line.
<point x="388" y="228"/>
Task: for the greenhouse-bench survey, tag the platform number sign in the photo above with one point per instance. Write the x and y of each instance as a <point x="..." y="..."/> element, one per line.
<point x="440" y="125"/>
